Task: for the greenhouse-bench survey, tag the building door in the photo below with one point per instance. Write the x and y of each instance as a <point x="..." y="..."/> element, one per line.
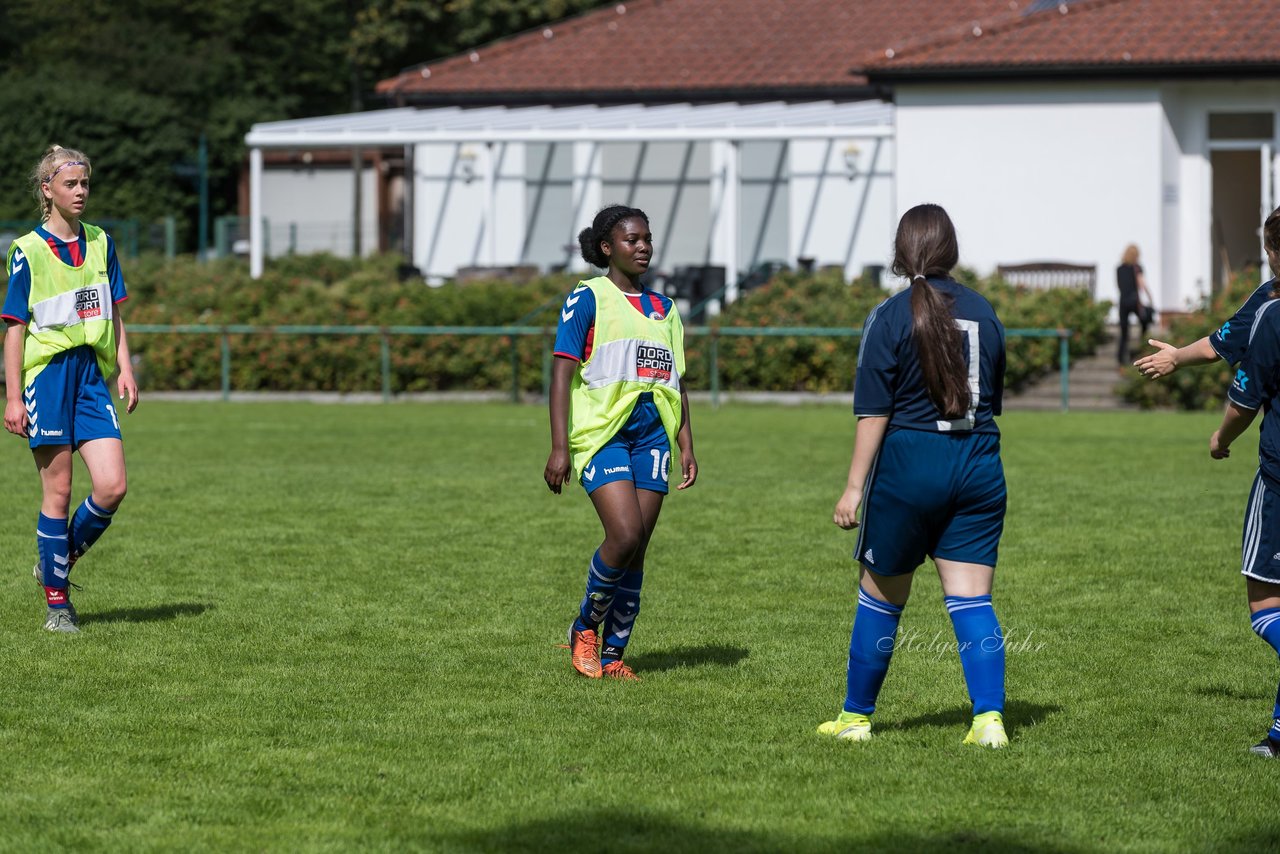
<point x="1242" y="159"/>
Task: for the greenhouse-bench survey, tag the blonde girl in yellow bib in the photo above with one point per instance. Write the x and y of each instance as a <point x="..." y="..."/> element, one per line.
<point x="64" y="339"/>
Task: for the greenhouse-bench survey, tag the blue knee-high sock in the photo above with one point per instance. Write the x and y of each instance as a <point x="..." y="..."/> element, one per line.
<point x="52" y="546"/>
<point x="875" y="630"/>
<point x="87" y="525"/>
<point x="981" y="645"/>
<point x="622" y="616"/>
<point x="602" y="583"/>
<point x="1267" y="624"/>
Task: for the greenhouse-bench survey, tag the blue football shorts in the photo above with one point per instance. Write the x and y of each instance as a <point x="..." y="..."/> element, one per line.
<point x="1260" y="545"/>
<point x="940" y="495"/>
<point x="69" y="403"/>
<point x="640" y="453"/>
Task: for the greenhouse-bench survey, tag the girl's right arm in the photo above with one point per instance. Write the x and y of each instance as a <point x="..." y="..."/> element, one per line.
<point x="557" y="470"/>
<point x="1168" y="358"/>
<point x="15" y="412"/>
<point x="867" y="439"/>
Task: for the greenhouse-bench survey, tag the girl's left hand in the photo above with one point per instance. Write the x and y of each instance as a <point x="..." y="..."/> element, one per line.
<point x="128" y="390"/>
<point x="689" y="469"/>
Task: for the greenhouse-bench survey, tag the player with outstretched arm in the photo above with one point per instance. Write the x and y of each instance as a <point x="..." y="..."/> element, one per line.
<point x="1256" y="385"/>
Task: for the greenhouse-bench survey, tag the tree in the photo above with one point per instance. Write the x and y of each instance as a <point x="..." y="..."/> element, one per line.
<point x="135" y="84"/>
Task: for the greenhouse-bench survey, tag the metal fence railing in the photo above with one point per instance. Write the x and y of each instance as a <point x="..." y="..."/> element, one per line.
<point x="514" y="333"/>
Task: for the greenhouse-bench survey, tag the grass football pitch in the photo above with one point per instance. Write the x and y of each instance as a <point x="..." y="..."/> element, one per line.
<point x="334" y="628"/>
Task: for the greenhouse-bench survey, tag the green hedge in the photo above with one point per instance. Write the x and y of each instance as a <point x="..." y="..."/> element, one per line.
<point x="827" y="364"/>
<point x="1199" y="388"/>
<point x="324" y="290"/>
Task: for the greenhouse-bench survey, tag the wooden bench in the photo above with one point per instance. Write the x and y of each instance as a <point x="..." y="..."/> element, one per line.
<point x="1050" y="274"/>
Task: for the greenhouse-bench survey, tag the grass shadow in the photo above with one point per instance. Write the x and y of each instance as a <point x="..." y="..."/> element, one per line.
<point x="1015" y="715"/>
<point x="720" y="656"/>
<point x="636" y="832"/>
<point x="146" y="615"/>
<point x="1222" y="692"/>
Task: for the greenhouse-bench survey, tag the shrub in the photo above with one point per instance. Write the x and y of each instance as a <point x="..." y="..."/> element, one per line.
<point x="827" y="364"/>
<point x="322" y="290"/>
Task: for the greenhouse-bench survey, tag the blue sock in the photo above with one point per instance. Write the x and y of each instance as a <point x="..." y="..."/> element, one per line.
<point x="622" y="616"/>
<point x="87" y="525"/>
<point x="52" y="546"/>
<point x="602" y="583"/>
<point x="875" y="631"/>
<point x="1267" y="624"/>
<point x="981" y="645"/>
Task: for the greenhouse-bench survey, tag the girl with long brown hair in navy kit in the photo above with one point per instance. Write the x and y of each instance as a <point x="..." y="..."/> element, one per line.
<point x="926" y="477"/>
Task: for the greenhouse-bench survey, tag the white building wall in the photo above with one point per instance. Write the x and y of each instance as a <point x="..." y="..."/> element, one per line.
<point x="1039" y="173"/>
<point x="309" y="209"/>
<point x="452" y="183"/>
<point x="841" y="203"/>
<point x="1189" y="106"/>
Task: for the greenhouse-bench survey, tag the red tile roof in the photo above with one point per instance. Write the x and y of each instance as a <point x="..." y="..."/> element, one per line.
<point x="686" y="49"/>
<point x="1084" y="35"/>
<point x="715" y="49"/>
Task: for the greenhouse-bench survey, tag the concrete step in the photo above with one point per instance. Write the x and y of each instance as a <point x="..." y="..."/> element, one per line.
<point x="1092" y="385"/>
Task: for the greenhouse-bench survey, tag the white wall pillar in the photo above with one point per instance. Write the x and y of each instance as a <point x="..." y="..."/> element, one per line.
<point x="256" y="243"/>
<point x="726" y="187"/>
<point x="588" y="192"/>
<point x="490" y="169"/>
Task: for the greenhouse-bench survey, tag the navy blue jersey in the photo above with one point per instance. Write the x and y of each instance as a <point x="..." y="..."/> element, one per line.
<point x="1232" y="338"/>
<point x="889" y="380"/>
<point x="1257" y="384"/>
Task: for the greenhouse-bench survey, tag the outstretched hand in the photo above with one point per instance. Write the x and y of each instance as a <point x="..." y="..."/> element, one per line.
<point x="1159" y="364"/>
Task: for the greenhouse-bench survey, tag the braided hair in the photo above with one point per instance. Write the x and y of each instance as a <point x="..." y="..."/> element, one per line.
<point x="924" y="246"/>
<point x="55" y="159"/>
<point x="601" y="231"/>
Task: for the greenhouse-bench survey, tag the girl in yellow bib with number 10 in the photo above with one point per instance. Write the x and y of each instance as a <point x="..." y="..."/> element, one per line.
<point x="618" y="409"/>
<point x="64" y="339"/>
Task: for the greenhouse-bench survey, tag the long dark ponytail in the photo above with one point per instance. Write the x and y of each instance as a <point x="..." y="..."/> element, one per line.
<point x="926" y="245"/>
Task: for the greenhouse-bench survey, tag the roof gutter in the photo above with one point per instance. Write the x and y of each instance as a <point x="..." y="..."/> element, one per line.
<point x="610" y="97"/>
<point x="1073" y="73"/>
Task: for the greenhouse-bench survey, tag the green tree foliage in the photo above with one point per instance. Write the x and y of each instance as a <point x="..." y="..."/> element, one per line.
<point x="134" y="85"/>
<point x="390" y="35"/>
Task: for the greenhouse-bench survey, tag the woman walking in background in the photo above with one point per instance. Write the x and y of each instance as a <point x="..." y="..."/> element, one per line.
<point x="1135" y="300"/>
<point x="64" y="339"/>
<point x="926" y="474"/>
<point x="618" y="410"/>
